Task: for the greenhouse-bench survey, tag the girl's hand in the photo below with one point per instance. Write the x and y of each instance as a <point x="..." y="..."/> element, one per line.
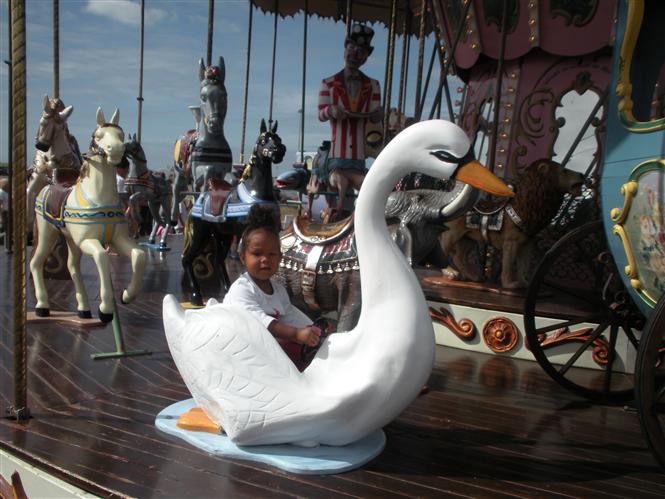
<point x="309" y="336"/>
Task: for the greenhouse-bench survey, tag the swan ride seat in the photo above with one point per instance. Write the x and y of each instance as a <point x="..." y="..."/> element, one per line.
<point x="222" y="202"/>
<point x="315" y="249"/>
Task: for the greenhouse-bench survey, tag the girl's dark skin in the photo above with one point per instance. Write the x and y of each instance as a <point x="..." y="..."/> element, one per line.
<point x="261" y="254"/>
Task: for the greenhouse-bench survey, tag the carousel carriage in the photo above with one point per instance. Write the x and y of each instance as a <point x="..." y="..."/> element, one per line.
<point x="594" y="312"/>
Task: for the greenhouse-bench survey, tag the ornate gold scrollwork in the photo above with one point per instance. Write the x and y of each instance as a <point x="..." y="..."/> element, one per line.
<point x="624" y="88"/>
<point x="465" y="329"/>
<point x="631" y="268"/>
<point x="630" y="192"/>
<point x="564" y="335"/>
<point x="500" y="334"/>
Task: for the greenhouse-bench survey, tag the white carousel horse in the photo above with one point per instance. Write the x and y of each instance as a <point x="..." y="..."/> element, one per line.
<point x="358" y="381"/>
<point x="57" y="150"/>
<point x="91" y="218"/>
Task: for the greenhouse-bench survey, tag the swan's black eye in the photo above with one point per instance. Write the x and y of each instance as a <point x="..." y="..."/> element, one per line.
<point x="451" y="158"/>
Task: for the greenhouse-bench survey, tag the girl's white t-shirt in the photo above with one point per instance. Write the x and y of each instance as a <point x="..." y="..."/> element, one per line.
<point x="246" y="294"/>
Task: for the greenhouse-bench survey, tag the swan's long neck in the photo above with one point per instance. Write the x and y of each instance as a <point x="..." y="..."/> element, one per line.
<point x="385" y="275"/>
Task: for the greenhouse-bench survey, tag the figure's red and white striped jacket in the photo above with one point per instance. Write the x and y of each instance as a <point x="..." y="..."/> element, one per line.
<point x="348" y="136"/>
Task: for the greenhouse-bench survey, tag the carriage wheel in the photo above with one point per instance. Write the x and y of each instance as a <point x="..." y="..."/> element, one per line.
<point x="579" y="321"/>
<point x="650" y="382"/>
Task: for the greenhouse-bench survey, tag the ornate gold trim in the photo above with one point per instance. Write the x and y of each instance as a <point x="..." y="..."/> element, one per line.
<point x="628" y="191"/>
<point x="465" y="329"/>
<point x="619" y="215"/>
<point x="631" y="268"/>
<point x="624" y="88"/>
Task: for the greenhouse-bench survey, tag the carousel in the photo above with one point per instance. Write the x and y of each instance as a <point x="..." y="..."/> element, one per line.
<point x="492" y="298"/>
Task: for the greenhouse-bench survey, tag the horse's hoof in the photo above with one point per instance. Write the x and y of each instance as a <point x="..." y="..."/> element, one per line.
<point x="42" y="312"/>
<point x="105" y="318"/>
<point x="85" y="314"/>
<point x="151" y="241"/>
<point x="197" y="301"/>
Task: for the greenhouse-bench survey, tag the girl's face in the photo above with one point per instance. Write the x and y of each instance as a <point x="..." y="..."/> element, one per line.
<point x="261" y="254"/>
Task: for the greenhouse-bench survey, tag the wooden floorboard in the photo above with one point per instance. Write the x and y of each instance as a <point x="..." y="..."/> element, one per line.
<point x="489" y="426"/>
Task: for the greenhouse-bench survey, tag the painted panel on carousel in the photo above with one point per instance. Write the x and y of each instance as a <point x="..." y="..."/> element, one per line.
<point x="632" y="186"/>
<point x="557" y="27"/>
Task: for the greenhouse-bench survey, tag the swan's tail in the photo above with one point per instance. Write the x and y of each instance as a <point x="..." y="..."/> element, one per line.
<point x="173" y="316"/>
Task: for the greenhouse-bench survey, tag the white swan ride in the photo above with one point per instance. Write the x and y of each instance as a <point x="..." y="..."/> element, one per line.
<point x="360" y="380"/>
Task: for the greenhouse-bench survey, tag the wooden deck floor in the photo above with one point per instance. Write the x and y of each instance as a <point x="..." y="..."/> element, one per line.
<point x="488" y="427"/>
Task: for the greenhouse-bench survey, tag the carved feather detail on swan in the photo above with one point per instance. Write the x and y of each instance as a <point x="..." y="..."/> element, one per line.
<point x="360" y="380"/>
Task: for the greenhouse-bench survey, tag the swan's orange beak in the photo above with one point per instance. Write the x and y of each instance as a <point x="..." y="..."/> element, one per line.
<point x="476" y="175"/>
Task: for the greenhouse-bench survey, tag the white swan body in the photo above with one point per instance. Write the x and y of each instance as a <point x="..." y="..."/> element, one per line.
<point x="360" y="380"/>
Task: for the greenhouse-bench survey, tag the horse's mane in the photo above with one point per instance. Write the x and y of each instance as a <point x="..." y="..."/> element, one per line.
<point x="537" y="195"/>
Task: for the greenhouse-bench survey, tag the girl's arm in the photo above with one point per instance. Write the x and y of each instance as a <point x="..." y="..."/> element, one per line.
<point x="308" y="335"/>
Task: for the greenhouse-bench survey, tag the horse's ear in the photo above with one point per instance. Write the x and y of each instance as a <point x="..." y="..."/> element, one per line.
<point x="116" y="117"/>
<point x="222" y="69"/>
<point x="274" y="129"/>
<point x="66" y="112"/>
<point x="202" y="69"/>
<point x="46" y="103"/>
<point x="100" y="117"/>
<point x="264" y="128"/>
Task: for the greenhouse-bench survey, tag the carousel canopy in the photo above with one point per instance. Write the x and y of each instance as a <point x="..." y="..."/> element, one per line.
<point x="361" y="10"/>
<point x="558" y="27"/>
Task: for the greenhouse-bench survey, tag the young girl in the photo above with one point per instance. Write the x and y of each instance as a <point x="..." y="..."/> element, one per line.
<point x="256" y="291"/>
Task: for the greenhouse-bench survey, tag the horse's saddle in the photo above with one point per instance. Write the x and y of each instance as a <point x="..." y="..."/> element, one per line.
<point x="52" y="203"/>
<point x="487" y="215"/>
<point x="312" y="249"/>
<point x="65" y="177"/>
<point x="145" y="180"/>
<point x="222" y="202"/>
<point x="218" y="192"/>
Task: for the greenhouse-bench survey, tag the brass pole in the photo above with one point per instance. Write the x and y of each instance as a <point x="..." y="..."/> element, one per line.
<point x="497" y="90"/>
<point x="244" y="106"/>
<point x="389" y="67"/>
<point x="56" y="49"/>
<point x="421" y="59"/>
<point x="211" y="21"/>
<point x="140" y="97"/>
<point x="20" y="409"/>
<point x="8" y="62"/>
<point x="403" y="73"/>
<point x="274" y="56"/>
<point x="349" y="16"/>
<point x="304" y="74"/>
<point x="452" y="50"/>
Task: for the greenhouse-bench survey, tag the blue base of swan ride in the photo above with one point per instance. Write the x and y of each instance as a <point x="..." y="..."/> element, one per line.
<point x="321" y="460"/>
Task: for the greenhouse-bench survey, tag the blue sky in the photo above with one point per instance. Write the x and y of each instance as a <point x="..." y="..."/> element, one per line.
<point x="99" y="64"/>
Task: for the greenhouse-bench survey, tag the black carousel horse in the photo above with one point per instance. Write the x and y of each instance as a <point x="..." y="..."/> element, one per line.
<point x="220" y="212"/>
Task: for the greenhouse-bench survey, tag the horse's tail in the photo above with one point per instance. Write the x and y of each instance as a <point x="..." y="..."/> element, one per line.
<point x="188" y="233"/>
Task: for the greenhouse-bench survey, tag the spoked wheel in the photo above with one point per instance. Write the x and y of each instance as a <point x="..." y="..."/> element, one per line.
<point x="580" y="322"/>
<point x="650" y="382"/>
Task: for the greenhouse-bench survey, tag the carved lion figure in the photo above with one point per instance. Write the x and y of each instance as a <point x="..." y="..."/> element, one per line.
<point x="539" y="192"/>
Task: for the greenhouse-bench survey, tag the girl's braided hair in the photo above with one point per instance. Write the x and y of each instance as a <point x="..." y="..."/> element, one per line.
<point x="260" y="218"/>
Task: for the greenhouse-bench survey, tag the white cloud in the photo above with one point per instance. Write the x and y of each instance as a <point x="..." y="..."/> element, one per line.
<point x="124" y="11"/>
